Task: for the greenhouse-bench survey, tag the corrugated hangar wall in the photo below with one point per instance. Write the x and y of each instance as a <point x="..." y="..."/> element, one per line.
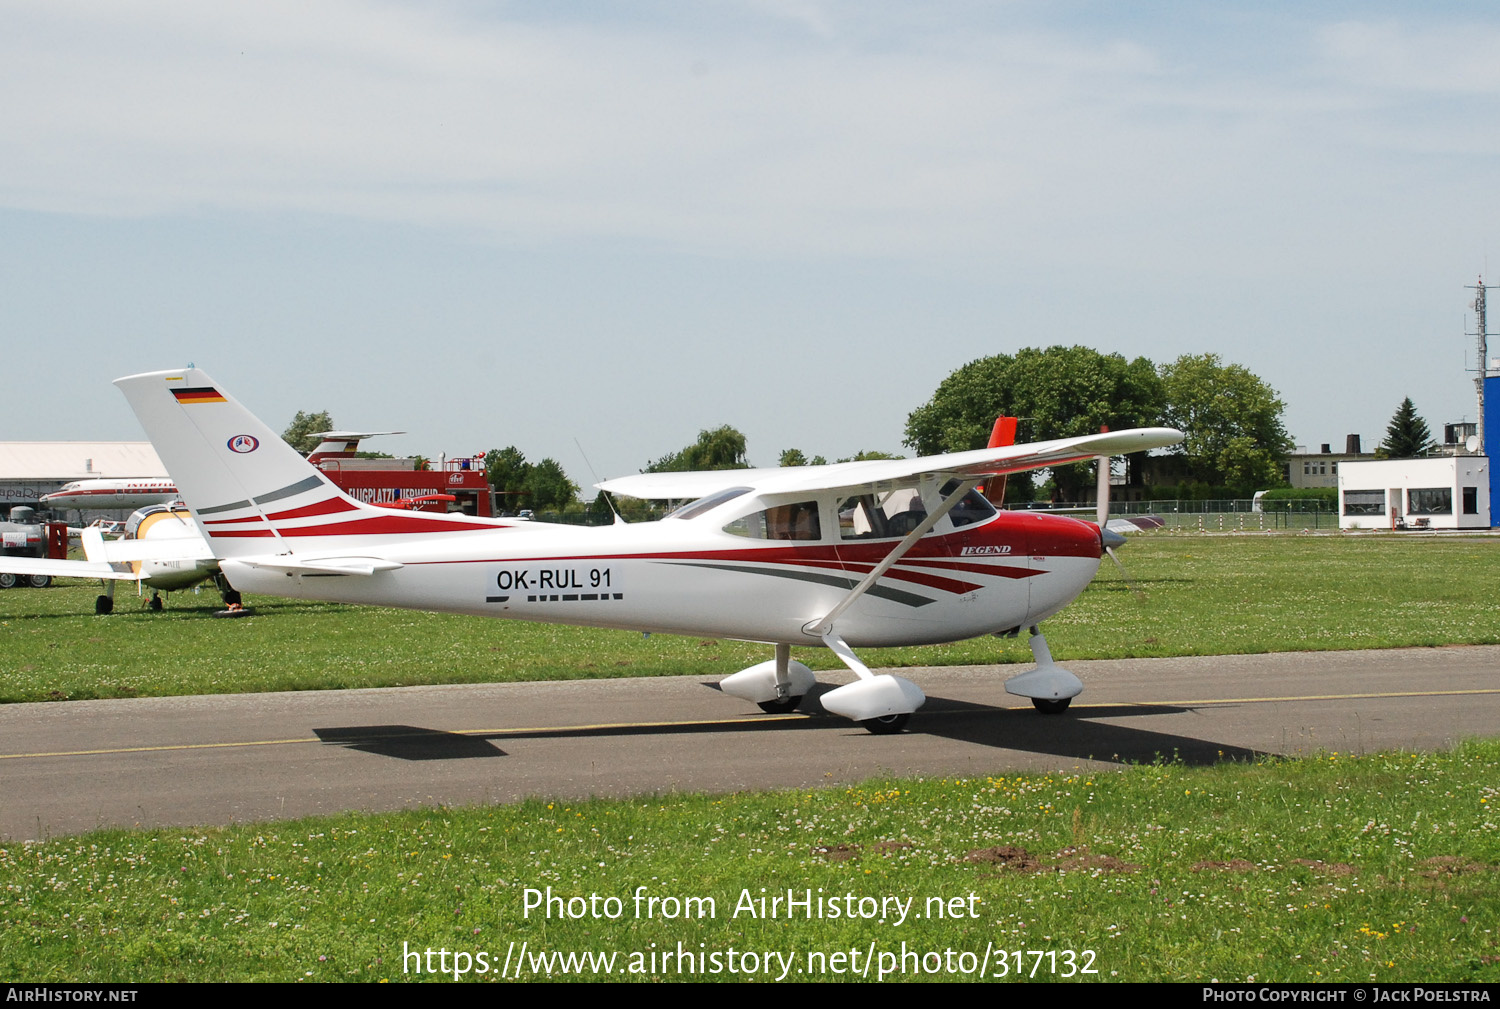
<point x="29" y="469"/>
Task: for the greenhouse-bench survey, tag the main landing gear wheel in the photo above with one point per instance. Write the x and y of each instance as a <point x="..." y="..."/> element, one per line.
<point x="1047" y="707"/>
<point x="104" y="606"/>
<point x="887" y="725"/>
<point x="781" y="705"/>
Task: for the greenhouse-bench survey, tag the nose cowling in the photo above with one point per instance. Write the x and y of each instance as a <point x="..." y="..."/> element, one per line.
<point x="1059" y="536"/>
<point x="1065" y="555"/>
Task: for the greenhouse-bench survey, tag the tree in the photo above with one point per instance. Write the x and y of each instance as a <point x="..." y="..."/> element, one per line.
<point x="506" y="469"/>
<point x="600" y="512"/>
<point x="548" y="488"/>
<point x="1060" y="392"/>
<point x="299" y="433"/>
<point x="869" y="454"/>
<point x="1231" y="420"/>
<point x="720" y="448"/>
<point x="541" y="486"/>
<point x="1407" y="436"/>
<point x="794" y="457"/>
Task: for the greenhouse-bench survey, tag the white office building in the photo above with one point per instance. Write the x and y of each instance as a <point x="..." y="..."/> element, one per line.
<point x="1439" y="492"/>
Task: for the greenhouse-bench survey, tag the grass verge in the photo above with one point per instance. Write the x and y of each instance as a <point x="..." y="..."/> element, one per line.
<point x="1336" y="867"/>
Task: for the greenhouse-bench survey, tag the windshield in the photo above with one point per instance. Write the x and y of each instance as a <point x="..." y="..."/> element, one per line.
<point x="695" y="508"/>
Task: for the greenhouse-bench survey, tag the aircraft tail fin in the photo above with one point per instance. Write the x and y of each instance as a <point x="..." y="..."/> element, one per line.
<point x="250" y="492"/>
<point x="1003" y="434"/>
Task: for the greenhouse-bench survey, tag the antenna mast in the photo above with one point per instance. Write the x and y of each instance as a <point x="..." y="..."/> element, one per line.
<point x="1483" y="368"/>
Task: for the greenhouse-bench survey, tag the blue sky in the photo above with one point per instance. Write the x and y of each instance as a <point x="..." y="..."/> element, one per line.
<point x="612" y="225"/>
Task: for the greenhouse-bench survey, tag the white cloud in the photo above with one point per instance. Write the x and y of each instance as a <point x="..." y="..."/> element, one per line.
<point x="843" y="135"/>
<point x="392" y="113"/>
<point x="1390" y="56"/>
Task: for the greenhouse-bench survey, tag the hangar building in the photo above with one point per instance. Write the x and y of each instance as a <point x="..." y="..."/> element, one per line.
<point x="29" y="469"/>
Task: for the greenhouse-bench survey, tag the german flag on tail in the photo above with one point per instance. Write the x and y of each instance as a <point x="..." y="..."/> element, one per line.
<point x="203" y="394"/>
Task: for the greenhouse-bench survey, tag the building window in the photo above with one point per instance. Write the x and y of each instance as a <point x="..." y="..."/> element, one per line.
<point x="1430" y="501"/>
<point x="1364" y="502"/>
<point x="1471" y="500"/>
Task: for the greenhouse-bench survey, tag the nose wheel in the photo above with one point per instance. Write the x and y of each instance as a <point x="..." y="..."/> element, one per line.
<point x="887" y="725"/>
<point x="1050" y="687"/>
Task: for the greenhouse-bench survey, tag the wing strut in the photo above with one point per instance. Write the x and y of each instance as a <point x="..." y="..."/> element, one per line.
<point x="824" y="628"/>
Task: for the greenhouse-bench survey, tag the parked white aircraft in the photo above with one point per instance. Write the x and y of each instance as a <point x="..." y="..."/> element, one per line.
<point x="889" y="552"/>
<point x="162" y="550"/>
<point x="103" y="493"/>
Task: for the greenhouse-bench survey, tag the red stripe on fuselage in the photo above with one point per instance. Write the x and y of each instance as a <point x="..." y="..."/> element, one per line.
<point x="979" y="568"/>
<point x="915" y="577"/>
<point x="385" y="525"/>
<point x="328" y="507"/>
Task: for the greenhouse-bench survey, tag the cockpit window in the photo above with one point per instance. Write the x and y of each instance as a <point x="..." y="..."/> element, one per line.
<point x="797" y="521"/>
<point x="876" y="516"/>
<point x="695" y="508"/>
<point x="897" y="512"/>
<point x="974" y="507"/>
<point x="133" y="524"/>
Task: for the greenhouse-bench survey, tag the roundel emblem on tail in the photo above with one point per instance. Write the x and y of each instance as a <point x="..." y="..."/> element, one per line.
<point x="243" y="443"/>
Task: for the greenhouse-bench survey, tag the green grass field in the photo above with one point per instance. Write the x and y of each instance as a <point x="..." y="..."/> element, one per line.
<point x="1201" y="595"/>
<point x="1380" y="867"/>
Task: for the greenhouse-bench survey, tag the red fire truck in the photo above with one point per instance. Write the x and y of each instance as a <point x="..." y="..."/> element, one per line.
<point x="443" y="484"/>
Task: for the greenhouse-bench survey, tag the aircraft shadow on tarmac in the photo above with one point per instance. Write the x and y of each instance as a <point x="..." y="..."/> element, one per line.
<point x="409" y="742"/>
<point x="1081" y="734"/>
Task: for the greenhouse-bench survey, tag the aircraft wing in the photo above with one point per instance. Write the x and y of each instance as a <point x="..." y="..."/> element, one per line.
<point x="685" y="486"/>
<point x="63" y="569"/>
<point x="979" y="463"/>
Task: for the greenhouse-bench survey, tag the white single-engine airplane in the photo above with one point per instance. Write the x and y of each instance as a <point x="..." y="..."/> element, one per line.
<point x="888" y="552"/>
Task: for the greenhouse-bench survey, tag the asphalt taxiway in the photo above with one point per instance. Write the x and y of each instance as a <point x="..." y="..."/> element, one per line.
<point x="69" y="767"/>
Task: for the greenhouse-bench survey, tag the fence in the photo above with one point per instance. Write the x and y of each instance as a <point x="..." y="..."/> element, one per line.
<point x="1244" y="521"/>
<point x="1236" y="515"/>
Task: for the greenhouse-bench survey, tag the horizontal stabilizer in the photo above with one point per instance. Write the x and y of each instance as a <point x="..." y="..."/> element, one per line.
<point x="364" y="566"/>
